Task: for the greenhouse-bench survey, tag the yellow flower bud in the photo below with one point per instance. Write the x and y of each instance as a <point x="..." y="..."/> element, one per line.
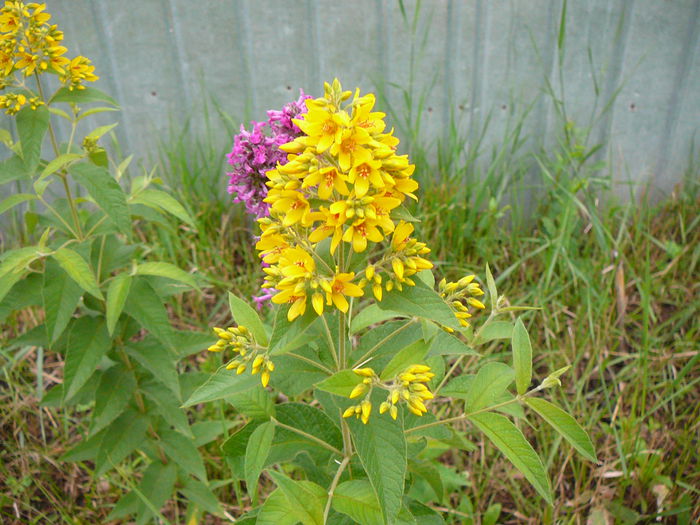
<point x="265" y="378"/>
<point x="393" y="411"/>
<point x="240" y="369"/>
<point x="395" y="397"/>
<point x="369" y="271"/>
<point x="350" y="411"/>
<point x="384" y="407"/>
<point x="366" y="411"/>
<point x="365" y="372"/>
<point x="475" y="303"/>
<point x="358" y="391"/>
<point x="464" y="281"/>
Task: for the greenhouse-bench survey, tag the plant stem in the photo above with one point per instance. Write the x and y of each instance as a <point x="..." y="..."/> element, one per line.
<point x="310" y="437"/>
<point x="342" y="339"/>
<point x="331" y="344"/>
<point x="334" y="484"/>
<point x="62" y="173"/>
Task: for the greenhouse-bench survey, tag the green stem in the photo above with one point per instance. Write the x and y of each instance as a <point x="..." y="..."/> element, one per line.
<point x="334" y="484"/>
<point x="62" y="174"/>
<point x="342" y="339"/>
<point x="310" y="437"/>
<point x="331" y="344"/>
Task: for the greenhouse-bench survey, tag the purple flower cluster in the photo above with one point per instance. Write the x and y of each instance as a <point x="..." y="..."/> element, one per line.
<point x="256" y="152"/>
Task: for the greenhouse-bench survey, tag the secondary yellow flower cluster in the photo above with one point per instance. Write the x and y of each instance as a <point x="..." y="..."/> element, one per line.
<point x="409" y="386"/>
<point x="28" y="43"/>
<point x="459" y="296"/>
<point x="340" y="187"/>
<point x="241" y="341"/>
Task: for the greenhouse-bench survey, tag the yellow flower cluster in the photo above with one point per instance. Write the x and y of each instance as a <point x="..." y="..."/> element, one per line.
<point x="28" y="43"/>
<point x="408" y="386"/>
<point x="340" y="187"/>
<point x="241" y="341"/>
<point x="459" y="296"/>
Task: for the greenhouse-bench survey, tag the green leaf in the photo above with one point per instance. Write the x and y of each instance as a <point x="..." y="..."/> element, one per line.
<point x="370" y="315"/>
<point x="491" y="381"/>
<point x="161" y="201"/>
<point x="167" y="406"/>
<point x="183" y="451"/>
<point x="276" y="511"/>
<point x="32" y="125"/>
<point x="14" y="200"/>
<point x="124" y="435"/>
<point x="81" y="96"/>
<point x="244" y="315"/>
<point x="106" y="192"/>
<point x="429" y="473"/>
<point x="12" y="169"/>
<point x="256" y="453"/>
<point x="7" y="281"/>
<point x="146" y="307"/>
<point x="565" y="425"/>
<point x="255" y="403"/>
<point x="311" y="420"/>
<point x="201" y="495"/>
<point x="355" y="498"/>
<point x="158" y="360"/>
<point x="163" y="269"/>
<point x="412" y="354"/>
<point x="306" y="499"/>
<point x="495" y="330"/>
<point x="381" y="446"/>
<point x="115" y="390"/>
<point x="78" y="270"/>
<point x="58" y="163"/>
<point x="287" y="336"/>
<point x="220" y="385"/>
<point x="18" y="259"/>
<point x="60" y="295"/>
<point x="100" y="131"/>
<point x="341" y="383"/>
<point x="117" y="293"/>
<point x="522" y="357"/>
<point x="447" y="344"/>
<point x="150" y="494"/>
<point x="421" y="301"/>
<point x="88" y="341"/>
<point x="511" y="442"/>
<point x="491" y="286"/>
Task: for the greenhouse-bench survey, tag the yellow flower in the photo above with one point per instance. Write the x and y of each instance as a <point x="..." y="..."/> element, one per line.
<point x="327" y="179"/>
<point x="360" y="232"/>
<point x="361" y="175"/>
<point x="350" y="150"/>
<point x="290" y="204"/>
<point x="337" y="289"/>
<point x="401" y="234"/>
<point x="323" y="126"/>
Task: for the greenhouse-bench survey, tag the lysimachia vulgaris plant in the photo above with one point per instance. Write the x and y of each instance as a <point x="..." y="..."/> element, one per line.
<point x="367" y="371"/>
<point x="97" y="302"/>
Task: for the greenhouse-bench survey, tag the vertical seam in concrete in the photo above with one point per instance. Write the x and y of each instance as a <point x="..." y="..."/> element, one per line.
<point x="178" y="51"/>
<point x="451" y="58"/>
<point x="315" y="49"/>
<point x="616" y="66"/>
<point x="246" y="54"/>
<point x="103" y="28"/>
<point x="681" y="80"/>
<point x="384" y="45"/>
<point x="480" y="22"/>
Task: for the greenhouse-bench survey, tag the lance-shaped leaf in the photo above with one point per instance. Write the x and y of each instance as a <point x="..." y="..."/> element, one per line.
<point x="184" y="452"/>
<point x="491" y="287"/>
<point x="81" y="96"/>
<point x="117" y="293"/>
<point x="162" y="269"/>
<point x="306" y="499"/>
<point x="121" y="438"/>
<point x="447" y="344"/>
<point x="60" y="296"/>
<point x="162" y="202"/>
<point x="341" y="383"/>
<point x="32" y="125"/>
<point x="370" y="315"/>
<point x="511" y="442"/>
<point x="88" y="341"/>
<point x="220" y="385"/>
<point x="381" y="446"/>
<point x="78" y="269"/>
<point x="146" y="307"/>
<point x="286" y="336"/>
<point x="244" y="315"/>
<point x="106" y="192"/>
<point x="14" y="200"/>
<point x="522" y="357"/>
<point x="420" y="301"/>
<point x="150" y="495"/>
<point x="160" y="362"/>
<point x="355" y="498"/>
<point x="410" y="355"/>
<point x="256" y="453"/>
<point x="565" y="425"/>
<point x="115" y="390"/>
